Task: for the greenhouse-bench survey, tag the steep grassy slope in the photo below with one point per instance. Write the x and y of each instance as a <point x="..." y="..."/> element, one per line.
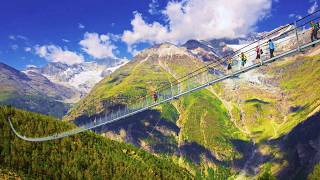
<point x="216" y="127"/>
<point x="82" y="156"/>
<point x="196" y="127"/>
<point x="283" y="97"/>
<point x="206" y="121"/>
<point x="145" y="73"/>
<point x="300" y="80"/>
<point x="288" y="93"/>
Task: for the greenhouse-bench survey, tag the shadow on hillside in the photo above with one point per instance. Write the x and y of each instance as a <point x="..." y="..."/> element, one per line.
<point x="196" y="152"/>
<point x="147" y="126"/>
<point x="301" y="147"/>
<point x="160" y="135"/>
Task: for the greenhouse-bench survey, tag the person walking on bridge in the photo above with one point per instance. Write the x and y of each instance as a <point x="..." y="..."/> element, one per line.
<point x="155" y="96"/>
<point x="314" y="31"/>
<point x="271" y="48"/>
<point x="229" y="62"/>
<point x="243" y="59"/>
<point x="259" y="52"/>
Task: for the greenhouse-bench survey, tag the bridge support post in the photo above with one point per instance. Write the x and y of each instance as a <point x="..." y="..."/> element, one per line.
<point x="171" y="90"/>
<point x="297" y="36"/>
<point x="207" y="77"/>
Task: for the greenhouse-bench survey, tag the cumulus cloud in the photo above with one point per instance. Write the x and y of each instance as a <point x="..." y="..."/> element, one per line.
<point x="54" y="53"/>
<point x="199" y="19"/>
<point x="98" y="46"/>
<point x="314" y="6"/>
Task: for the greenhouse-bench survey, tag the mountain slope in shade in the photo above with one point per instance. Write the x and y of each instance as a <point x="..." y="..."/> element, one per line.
<point x="33" y="92"/>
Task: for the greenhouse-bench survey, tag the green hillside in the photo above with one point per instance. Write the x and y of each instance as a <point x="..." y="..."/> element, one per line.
<point x="86" y="155"/>
<point x="220" y="127"/>
<point x="203" y="120"/>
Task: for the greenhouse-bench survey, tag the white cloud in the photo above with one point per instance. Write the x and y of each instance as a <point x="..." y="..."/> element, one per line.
<point x="81" y="26"/>
<point x="199" y="19"/>
<point x="314" y="6"/>
<point x="22" y="37"/>
<point x="143" y="32"/>
<point x="31" y="66"/>
<point x="98" y="46"/>
<point x="153" y="7"/>
<point x="27" y="49"/>
<point x="12" y="37"/>
<point x="133" y="50"/>
<point x="54" y="53"/>
<point x="66" y="40"/>
<point x="295" y="16"/>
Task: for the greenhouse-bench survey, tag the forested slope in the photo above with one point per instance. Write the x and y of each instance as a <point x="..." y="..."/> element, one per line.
<point x="82" y="156"/>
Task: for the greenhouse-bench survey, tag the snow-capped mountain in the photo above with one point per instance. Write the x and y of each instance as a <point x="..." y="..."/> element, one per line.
<point x="81" y="77"/>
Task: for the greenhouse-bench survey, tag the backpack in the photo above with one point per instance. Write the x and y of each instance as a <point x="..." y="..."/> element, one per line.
<point x="261" y="52"/>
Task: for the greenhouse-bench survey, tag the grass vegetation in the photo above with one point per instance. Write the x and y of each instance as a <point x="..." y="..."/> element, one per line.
<point x="300" y="80"/>
<point x="206" y="121"/>
<point x="315" y="174"/>
<point x="86" y="155"/>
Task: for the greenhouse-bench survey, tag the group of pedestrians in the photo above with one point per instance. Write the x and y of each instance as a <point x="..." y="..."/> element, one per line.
<point x="315" y="27"/>
<point x="259" y="53"/>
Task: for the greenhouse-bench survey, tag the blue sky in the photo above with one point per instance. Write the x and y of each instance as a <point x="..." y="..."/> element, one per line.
<point x="39" y="31"/>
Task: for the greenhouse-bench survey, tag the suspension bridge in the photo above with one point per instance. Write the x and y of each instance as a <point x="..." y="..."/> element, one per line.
<point x="290" y="40"/>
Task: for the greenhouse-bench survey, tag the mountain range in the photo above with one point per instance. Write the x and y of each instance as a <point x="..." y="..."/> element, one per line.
<point x="81" y="77"/>
<point x="245" y="124"/>
<point x="51" y="89"/>
<point x="262" y="123"/>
